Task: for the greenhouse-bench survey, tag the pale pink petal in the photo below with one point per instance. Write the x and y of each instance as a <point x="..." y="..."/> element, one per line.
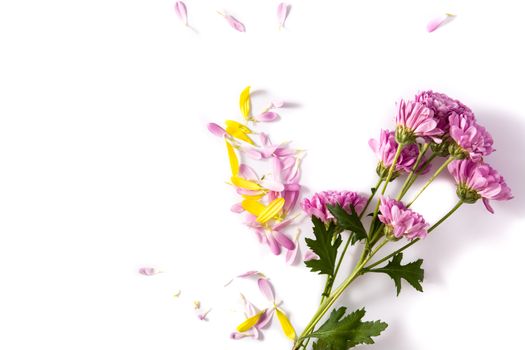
<point x="277" y="104"/>
<point x="182" y="13"/>
<point x="237" y="208"/>
<point x="216" y="130"/>
<point x="267" y="117"/>
<point x="265" y="320"/>
<point x="282" y="13"/>
<point x="266" y="289"/>
<point x="148" y="271"/>
<point x="284" y="240"/>
<point x="248" y="173"/>
<point x="438" y="22"/>
<point x="291" y="255"/>
<point x="272" y="185"/>
<point x="236" y="24"/>
<point x="251" y="152"/>
<point x="237" y="335"/>
<point x="310" y="255"/>
<point x="203" y="316"/>
<point x="248" y="274"/>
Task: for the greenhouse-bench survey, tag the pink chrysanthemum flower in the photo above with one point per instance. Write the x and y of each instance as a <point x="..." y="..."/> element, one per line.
<point x="415" y="120"/>
<point x="401" y="221"/>
<point x="470" y="139"/>
<point x="442" y="106"/>
<point x="316" y="205"/>
<point x="385" y="149"/>
<point x="478" y="180"/>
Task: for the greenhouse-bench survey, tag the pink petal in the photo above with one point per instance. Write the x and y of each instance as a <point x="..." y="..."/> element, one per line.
<point x="236" y="24"/>
<point x="438" y="22"/>
<point x="266" y="289"/>
<point x="291" y="255"/>
<point x="251" y="152"/>
<point x="237" y="335"/>
<point x="237" y="208"/>
<point x="148" y="271"/>
<point x="282" y="13"/>
<point x="247" y="275"/>
<point x="247" y="172"/>
<point x="267" y="117"/>
<point x="277" y="104"/>
<point x="488" y="206"/>
<point x="284" y="240"/>
<point x="216" y="130"/>
<point x="272" y="185"/>
<point x="182" y="13"/>
<point x="309" y="255"/>
<point x="265" y="320"/>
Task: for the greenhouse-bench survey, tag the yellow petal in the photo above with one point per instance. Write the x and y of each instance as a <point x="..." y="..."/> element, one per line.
<point x="271" y="210"/>
<point x="255" y="196"/>
<point x="285" y="324"/>
<point x="246" y="184"/>
<point x="249" y="322"/>
<point x="233" y="125"/>
<point x="244" y="102"/>
<point x="238" y="134"/>
<point x="234" y="162"/>
<point x="252" y="206"/>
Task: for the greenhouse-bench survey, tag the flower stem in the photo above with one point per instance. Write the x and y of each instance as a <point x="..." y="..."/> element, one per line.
<point x="337" y="293"/>
<point x="415" y="176"/>
<point x="407" y="183"/>
<point x="441" y="168"/>
<point x="409" y="244"/>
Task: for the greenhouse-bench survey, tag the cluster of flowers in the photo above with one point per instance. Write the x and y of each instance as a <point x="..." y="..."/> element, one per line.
<point x="283" y="10"/>
<point x="268" y="201"/>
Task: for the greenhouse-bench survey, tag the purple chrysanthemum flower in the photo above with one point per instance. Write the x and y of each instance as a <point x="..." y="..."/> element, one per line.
<point x="401" y="221"/>
<point x="470" y="139"/>
<point x="385" y="149"/>
<point x="316" y="205"/>
<point x="415" y="120"/>
<point x="442" y="106"/>
<point x="478" y="180"/>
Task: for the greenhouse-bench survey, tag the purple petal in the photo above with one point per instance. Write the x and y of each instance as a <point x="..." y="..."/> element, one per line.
<point x="266" y="289"/>
<point x="267" y="117"/>
<point x="182" y="13"/>
<point x="148" y="271"/>
<point x="488" y="206"/>
<point x="291" y="255"/>
<point x="284" y="240"/>
<point x="236" y="24"/>
<point x="282" y="13"/>
<point x="265" y="319"/>
<point x="216" y="130"/>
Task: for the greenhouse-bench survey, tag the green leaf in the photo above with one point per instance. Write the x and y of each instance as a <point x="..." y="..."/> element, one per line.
<point x="411" y="272"/>
<point x="325" y="246"/>
<point x="339" y="333"/>
<point x="348" y="221"/>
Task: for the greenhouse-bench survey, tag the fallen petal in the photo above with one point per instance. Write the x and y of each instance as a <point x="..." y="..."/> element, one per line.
<point x="248" y="173"/>
<point x="216" y="130"/>
<point x="282" y="13"/>
<point x="266" y="289"/>
<point x="235" y="23"/>
<point x="310" y="255"/>
<point x="267" y="117"/>
<point x="291" y="255"/>
<point x="249" y="322"/>
<point x="266" y="320"/>
<point x="237" y="208"/>
<point x="148" y="271"/>
<point x="270" y="211"/>
<point x="439" y="21"/>
<point x="234" y="161"/>
<point x="285" y="324"/>
<point x="284" y="240"/>
<point x="182" y="13"/>
<point x="277" y="104"/>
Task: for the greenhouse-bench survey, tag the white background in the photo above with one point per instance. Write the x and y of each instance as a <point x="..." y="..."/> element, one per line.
<point x="106" y="165"/>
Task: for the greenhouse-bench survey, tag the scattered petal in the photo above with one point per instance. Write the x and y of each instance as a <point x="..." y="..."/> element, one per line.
<point x="439" y="21"/>
<point x="270" y="211"/>
<point x="234" y="161"/>
<point x="148" y="271"/>
<point x="245" y="103"/>
<point x="235" y="23"/>
<point x="277" y="104"/>
<point x="310" y="255"/>
<point x="216" y="130"/>
<point x="237" y="208"/>
<point x="177" y="293"/>
<point x="266" y="319"/>
<point x="252" y="206"/>
<point x="196" y="304"/>
<point x="248" y="173"/>
<point x="291" y="255"/>
<point x="266" y="289"/>
<point x="250" y="322"/>
<point x="282" y="13"/>
<point x="267" y="117"/>
<point x="182" y="13"/>
<point x="204" y="315"/>
<point x="285" y="324"/>
<point x="246" y="184"/>
<point x="272" y="185"/>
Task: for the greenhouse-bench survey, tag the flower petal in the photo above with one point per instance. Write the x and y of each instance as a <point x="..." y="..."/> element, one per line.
<point x="235" y="23"/>
<point x="237" y="208"/>
<point x="244" y="102"/>
<point x="285" y="324"/>
<point x="266" y="289"/>
<point x="246" y="184"/>
<point x="148" y="271"/>
<point x="253" y="207"/>
<point x="234" y="161"/>
<point x="282" y="13"/>
<point x="249" y="322"/>
<point x="284" y="240"/>
<point x="216" y="130"/>
<point x="182" y="13"/>
<point x="267" y="117"/>
<point x="439" y="21"/>
<point x="271" y="210"/>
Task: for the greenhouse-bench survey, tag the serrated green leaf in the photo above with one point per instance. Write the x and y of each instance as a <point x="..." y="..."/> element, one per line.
<point x="325" y="246"/>
<point x="348" y="221"/>
<point x="339" y="333"/>
<point x="411" y="272"/>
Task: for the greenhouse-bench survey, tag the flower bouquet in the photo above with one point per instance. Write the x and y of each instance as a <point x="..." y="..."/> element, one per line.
<point x="433" y="133"/>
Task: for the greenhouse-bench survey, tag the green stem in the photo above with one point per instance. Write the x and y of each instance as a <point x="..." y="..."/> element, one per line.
<point x="337" y="293"/>
<point x="416" y="175"/>
<point x="406" y="185"/>
<point x="441" y="168"/>
<point x="409" y="244"/>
